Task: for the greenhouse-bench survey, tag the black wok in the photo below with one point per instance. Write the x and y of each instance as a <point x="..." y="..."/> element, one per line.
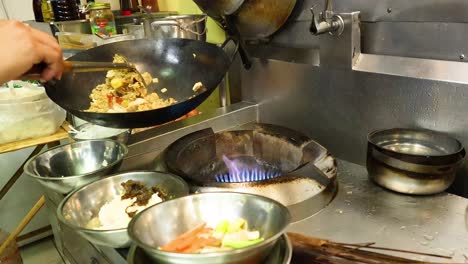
<point x="177" y="63"/>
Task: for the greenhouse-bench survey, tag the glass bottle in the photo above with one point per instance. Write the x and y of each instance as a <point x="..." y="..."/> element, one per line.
<point x="37" y="10"/>
<point x="102" y="19"/>
<point x="65" y="10"/>
<point x="150" y="5"/>
<point x="125" y="7"/>
<point x="47" y="11"/>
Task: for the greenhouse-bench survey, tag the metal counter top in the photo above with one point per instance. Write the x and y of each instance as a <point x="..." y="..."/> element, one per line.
<point x="365" y="212"/>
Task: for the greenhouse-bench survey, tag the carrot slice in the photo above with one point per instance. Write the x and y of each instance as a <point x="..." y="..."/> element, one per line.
<point x="200" y="243"/>
<point x="183" y="240"/>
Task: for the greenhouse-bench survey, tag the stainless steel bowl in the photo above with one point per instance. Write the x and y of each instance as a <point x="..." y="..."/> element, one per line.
<point x="121" y="137"/>
<point x="68" y="167"/>
<point x="82" y="205"/>
<point x="413" y="161"/>
<point x="76" y="26"/>
<point x="163" y="222"/>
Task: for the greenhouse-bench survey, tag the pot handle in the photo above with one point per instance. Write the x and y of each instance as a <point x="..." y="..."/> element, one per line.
<point x="185" y="27"/>
<point x="239" y="49"/>
<point x="244" y="55"/>
<point x="232" y="31"/>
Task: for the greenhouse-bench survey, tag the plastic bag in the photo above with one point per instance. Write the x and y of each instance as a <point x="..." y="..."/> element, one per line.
<point x="22" y="120"/>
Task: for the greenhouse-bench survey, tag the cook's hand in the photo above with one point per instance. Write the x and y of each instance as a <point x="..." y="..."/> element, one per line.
<point x="22" y="47"/>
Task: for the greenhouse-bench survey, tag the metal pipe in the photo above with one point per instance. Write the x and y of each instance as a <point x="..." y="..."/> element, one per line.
<point x="223" y="101"/>
<point x="328" y="6"/>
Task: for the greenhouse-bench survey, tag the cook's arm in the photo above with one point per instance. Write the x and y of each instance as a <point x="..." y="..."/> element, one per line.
<point x="22" y="47"/>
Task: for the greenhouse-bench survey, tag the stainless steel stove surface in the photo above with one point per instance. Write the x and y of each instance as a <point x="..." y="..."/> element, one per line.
<point x="360" y="212"/>
<point x="364" y="212"/>
<point x="262" y="159"/>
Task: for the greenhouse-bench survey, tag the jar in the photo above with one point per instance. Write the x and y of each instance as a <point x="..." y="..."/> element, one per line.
<point x="102" y="19"/>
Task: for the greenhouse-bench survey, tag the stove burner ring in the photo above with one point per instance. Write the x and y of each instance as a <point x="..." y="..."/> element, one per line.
<point x="248" y="175"/>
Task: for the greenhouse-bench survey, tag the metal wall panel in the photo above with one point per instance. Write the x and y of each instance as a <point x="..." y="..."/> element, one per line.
<point x="339" y="108"/>
<point x="443" y="41"/>
<point x="428" y="29"/>
<point x="395" y="10"/>
<point x="406" y="10"/>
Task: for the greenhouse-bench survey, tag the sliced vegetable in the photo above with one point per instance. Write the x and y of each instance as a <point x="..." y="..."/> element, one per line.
<point x="183" y="241"/>
<point x="226" y="235"/>
<point x="222" y="227"/>
<point x="241" y="244"/>
<point x="116" y="83"/>
<point x="237" y="225"/>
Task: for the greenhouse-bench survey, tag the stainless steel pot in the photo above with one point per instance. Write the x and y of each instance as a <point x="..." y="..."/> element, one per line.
<point x="136" y="30"/>
<point x="75" y="26"/>
<point x="413" y="161"/>
<point x="257" y="19"/>
<point x="219" y="7"/>
<point x="184" y="26"/>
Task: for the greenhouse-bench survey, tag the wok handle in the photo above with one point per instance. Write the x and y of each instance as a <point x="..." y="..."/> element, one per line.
<point x="77" y="66"/>
<point x="91" y="66"/>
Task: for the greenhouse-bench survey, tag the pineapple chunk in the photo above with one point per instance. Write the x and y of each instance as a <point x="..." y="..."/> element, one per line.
<point x="116" y="83"/>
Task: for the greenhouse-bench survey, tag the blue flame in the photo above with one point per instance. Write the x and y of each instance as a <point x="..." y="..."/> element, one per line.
<point x="238" y="174"/>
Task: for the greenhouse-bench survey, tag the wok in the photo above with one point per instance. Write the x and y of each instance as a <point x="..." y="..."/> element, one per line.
<point x="177" y="63"/>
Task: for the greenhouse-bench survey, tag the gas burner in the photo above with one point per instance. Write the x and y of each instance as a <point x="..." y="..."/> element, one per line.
<point x="267" y="160"/>
<point x="246" y="169"/>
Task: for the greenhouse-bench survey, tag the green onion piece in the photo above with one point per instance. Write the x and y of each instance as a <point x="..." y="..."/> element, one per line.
<point x="222" y="227"/>
<point x="241" y="244"/>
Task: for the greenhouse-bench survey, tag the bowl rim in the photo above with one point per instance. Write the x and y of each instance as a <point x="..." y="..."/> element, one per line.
<point x="62" y="219"/>
<point x="419" y="130"/>
<point x="211" y="254"/>
<point x="72" y="134"/>
<point x="122" y="146"/>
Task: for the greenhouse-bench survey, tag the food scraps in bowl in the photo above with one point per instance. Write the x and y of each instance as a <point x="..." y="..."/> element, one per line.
<point x="117" y="213"/>
<point x="227" y="235"/>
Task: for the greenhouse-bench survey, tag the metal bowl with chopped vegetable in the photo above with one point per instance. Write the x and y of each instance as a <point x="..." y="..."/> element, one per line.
<point x="219" y="227"/>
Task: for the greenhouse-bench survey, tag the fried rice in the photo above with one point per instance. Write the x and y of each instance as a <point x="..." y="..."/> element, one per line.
<point x="124" y="91"/>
